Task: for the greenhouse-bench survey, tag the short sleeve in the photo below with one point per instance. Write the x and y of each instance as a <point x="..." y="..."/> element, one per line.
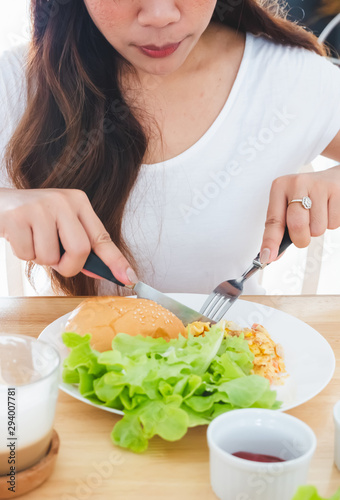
<point x="12" y="99"/>
<point x="303" y="88"/>
<point x="325" y="103"/>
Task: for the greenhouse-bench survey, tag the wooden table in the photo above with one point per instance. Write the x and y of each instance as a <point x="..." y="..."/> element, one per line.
<point x="89" y="466"/>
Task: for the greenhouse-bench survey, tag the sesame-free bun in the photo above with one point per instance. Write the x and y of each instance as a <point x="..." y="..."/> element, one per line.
<point x="104" y="317"/>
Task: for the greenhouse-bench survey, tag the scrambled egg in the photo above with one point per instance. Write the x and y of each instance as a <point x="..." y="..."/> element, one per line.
<point x="268" y="356"/>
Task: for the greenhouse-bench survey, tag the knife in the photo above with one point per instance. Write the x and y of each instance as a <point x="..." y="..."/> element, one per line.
<point x="187" y="315"/>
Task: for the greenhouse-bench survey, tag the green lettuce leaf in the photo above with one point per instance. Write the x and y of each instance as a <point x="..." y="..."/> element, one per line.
<point x="310" y="493"/>
<point x="163" y="387"/>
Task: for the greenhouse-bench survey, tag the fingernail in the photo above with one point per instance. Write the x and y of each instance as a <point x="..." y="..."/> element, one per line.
<point x="132" y="276"/>
<point x="265" y="256"/>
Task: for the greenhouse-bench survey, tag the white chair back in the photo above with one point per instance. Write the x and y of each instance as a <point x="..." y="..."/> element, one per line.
<point x="327" y="31"/>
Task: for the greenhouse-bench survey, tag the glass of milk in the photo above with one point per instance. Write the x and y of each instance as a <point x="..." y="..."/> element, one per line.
<point x="29" y="376"/>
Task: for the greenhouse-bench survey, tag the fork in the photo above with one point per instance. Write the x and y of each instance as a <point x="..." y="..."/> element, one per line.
<point x="227" y="292"/>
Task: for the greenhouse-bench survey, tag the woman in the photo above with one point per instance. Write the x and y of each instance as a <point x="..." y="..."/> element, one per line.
<point x="159" y="133"/>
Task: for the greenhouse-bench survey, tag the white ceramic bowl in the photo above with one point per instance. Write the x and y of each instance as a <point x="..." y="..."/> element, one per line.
<point x="260" y="431"/>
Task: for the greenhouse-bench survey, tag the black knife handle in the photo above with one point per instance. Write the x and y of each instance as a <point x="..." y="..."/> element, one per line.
<point x="95" y="265"/>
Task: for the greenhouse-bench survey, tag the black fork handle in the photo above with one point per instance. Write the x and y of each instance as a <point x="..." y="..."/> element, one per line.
<point x="285" y="243"/>
<point x="96" y="266"/>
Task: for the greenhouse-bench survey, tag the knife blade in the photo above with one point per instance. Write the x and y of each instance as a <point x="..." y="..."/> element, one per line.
<point x="184" y="313"/>
<point x="95" y="265"/>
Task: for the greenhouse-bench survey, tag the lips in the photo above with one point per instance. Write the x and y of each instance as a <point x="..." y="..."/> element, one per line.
<point x="155" y="51"/>
<point x="155" y="47"/>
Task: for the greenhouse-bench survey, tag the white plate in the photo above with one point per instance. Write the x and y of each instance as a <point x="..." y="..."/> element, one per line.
<point x="309" y="358"/>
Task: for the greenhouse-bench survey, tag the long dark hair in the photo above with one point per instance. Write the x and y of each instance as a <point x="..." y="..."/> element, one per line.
<point x="78" y="131"/>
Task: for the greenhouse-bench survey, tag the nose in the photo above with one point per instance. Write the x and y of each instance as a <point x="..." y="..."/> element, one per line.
<point x="158" y="13"/>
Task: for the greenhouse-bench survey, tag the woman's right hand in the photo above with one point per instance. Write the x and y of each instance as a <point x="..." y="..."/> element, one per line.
<point x="32" y="220"/>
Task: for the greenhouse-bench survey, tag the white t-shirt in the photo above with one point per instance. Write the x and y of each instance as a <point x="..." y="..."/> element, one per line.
<point x="198" y="219"/>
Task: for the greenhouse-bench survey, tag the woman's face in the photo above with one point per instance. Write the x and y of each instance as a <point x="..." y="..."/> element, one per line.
<point x="155" y="36"/>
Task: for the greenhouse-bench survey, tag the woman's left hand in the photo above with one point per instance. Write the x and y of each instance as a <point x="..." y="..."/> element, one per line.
<point x="323" y="188"/>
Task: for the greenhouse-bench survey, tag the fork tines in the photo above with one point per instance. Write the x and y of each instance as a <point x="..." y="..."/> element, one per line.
<point x="216" y="306"/>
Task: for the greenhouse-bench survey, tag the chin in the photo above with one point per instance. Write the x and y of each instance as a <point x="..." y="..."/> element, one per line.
<point x="160" y="68"/>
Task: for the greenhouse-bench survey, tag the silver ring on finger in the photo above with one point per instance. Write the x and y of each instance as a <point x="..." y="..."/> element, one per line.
<point x="306" y="202"/>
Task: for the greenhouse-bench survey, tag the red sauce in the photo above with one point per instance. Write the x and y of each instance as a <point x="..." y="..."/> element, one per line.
<point x="257" y="457"/>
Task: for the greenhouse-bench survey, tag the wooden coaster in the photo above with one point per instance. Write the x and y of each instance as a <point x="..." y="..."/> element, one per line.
<point x="29" y="479"/>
